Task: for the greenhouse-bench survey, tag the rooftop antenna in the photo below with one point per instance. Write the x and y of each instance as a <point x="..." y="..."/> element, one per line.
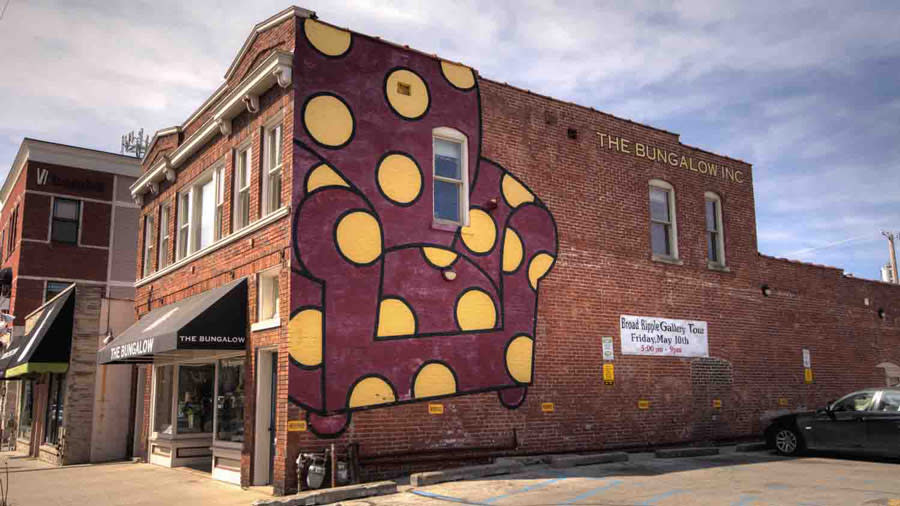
<point x="135" y="143"/>
<point x="892" y="253"/>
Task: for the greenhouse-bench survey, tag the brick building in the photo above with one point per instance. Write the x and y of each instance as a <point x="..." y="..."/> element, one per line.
<point x="67" y="241"/>
<point x="439" y="267"/>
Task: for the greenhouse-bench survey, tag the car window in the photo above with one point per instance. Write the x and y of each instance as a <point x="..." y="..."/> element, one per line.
<point x="855" y="402"/>
<point x="890" y="401"/>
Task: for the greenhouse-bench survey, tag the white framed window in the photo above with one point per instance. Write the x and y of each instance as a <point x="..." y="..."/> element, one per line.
<point x="65" y="220"/>
<point x="184" y="224"/>
<point x="715" y="239"/>
<point x="663" y="231"/>
<point x="267" y="300"/>
<point x="148" y="245"/>
<point x="219" y="177"/>
<point x="165" y="239"/>
<point x="272" y="169"/>
<point x="199" y="206"/>
<point x="241" y="215"/>
<point x="451" y="181"/>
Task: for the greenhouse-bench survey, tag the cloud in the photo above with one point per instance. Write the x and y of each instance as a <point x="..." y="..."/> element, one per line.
<point x="808" y="95"/>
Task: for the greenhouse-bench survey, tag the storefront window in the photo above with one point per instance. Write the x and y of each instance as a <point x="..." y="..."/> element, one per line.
<point x="195" y="393"/>
<point x="230" y="402"/>
<point x="26" y="412"/>
<point x="55" y="408"/>
<point x="164" y="388"/>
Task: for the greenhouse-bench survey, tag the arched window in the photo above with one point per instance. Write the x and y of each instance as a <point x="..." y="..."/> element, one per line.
<point x="715" y="240"/>
<point x="663" y="229"/>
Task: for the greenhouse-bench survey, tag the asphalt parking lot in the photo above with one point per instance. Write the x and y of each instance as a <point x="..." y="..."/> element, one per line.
<point x="739" y="479"/>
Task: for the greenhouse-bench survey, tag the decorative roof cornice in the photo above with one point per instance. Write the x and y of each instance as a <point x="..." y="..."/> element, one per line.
<point x="276" y="68"/>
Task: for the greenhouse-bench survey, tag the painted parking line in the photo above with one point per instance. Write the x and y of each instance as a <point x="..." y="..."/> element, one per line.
<point x="441" y="497"/>
<point x="661" y="497"/>
<point x="536" y="486"/>
<point x="593" y="492"/>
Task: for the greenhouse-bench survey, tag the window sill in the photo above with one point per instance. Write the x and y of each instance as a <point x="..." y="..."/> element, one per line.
<point x="445" y="226"/>
<point x="666" y="260"/>
<point x="265" y="324"/>
<point x="715" y="266"/>
<point x="181" y="262"/>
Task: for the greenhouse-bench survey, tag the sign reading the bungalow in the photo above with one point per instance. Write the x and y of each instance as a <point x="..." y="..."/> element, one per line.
<point x="201" y="340"/>
<point x="661" y="155"/>
<point x="645" y="335"/>
<point x="132" y="349"/>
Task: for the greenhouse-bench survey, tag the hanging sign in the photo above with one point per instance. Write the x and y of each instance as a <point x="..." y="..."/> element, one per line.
<point x="608" y="353"/>
<point x="647" y="335"/>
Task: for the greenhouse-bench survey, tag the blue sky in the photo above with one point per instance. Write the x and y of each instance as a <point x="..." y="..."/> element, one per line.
<point x="805" y="91"/>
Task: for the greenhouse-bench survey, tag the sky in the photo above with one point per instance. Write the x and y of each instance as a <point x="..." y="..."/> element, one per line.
<point x="807" y="92"/>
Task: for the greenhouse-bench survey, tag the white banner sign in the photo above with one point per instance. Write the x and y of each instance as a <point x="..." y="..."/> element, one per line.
<point x="646" y="335"/>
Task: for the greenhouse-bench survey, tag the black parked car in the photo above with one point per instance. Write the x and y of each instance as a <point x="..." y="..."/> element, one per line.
<point x="867" y="421"/>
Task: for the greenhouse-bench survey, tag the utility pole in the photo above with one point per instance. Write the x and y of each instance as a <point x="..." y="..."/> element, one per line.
<point x="893" y="255"/>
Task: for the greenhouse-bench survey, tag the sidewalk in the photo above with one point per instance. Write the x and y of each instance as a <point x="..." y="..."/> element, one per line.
<point x="34" y="483"/>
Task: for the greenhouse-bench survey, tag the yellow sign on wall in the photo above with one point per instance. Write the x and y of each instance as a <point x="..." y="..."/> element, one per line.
<point x="807" y="375"/>
<point x="609" y="374"/>
<point x="643" y="404"/>
<point x="296" y="426"/>
<point x="782" y="401"/>
<point x="717" y="403"/>
<point x="547" y="407"/>
<point x="435" y="409"/>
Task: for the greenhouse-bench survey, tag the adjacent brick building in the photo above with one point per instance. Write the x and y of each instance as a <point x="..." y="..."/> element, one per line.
<point x="429" y="263"/>
<point x="67" y="242"/>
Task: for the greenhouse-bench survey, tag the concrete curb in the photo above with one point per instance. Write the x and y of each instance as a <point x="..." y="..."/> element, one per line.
<point x="464" y="473"/>
<point x="330" y="495"/>
<point x="674" y="453"/>
<point x="758" y="446"/>
<point x="558" y="461"/>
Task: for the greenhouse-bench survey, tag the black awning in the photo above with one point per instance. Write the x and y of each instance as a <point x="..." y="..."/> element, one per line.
<point x="9" y="354"/>
<point x="213" y="320"/>
<point x="47" y="342"/>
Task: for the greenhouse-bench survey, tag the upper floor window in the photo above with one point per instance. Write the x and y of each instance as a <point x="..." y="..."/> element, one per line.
<point x="54" y="288"/>
<point x="13" y="224"/>
<point x="450" y="177"/>
<point x="218" y="222"/>
<point x="241" y="189"/>
<point x="198" y="209"/>
<point x="165" y="237"/>
<point x="663" y="234"/>
<point x="64" y="227"/>
<point x="271" y="180"/>
<point x="148" y="245"/>
<point x="715" y="241"/>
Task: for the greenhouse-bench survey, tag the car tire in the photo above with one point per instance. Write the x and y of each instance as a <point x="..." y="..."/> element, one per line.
<point x="787" y="441"/>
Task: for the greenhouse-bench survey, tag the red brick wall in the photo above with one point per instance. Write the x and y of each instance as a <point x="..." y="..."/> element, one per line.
<point x="260" y="250"/>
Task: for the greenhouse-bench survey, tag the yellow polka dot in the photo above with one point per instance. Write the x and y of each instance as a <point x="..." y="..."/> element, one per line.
<point x="434" y="380"/>
<point x="439" y="257"/>
<point x="359" y="237"/>
<point x="538" y="268"/>
<point x="323" y="176"/>
<point x="475" y="311"/>
<point x="395" y="318"/>
<point x="328" y="120"/>
<point x="305" y="337"/>
<point x="515" y="192"/>
<point x="481" y="233"/>
<point x="327" y="39"/>
<point x="407" y="93"/>
<point x="519" y="355"/>
<point x="399" y="178"/>
<point x="458" y="75"/>
<point x="512" y="251"/>
<point x="370" y="392"/>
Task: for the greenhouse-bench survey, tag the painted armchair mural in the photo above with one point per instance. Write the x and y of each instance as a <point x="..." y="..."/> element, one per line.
<point x="388" y="306"/>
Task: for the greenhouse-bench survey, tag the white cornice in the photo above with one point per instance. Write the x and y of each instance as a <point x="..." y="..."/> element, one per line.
<point x="275" y="69"/>
<point x="262" y="27"/>
<point x="160" y="133"/>
<point x="70" y="156"/>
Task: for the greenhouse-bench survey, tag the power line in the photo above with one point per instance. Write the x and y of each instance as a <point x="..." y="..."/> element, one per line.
<point x="4" y="9"/>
